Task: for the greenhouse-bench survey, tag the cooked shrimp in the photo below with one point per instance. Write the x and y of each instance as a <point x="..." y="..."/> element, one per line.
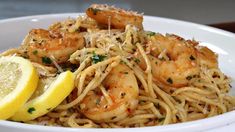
<point x="207" y="57"/>
<point x="115" y="99"/>
<point x="41" y="45"/>
<point x="118" y="18"/>
<point x="175" y="61"/>
<point x="172" y="61"/>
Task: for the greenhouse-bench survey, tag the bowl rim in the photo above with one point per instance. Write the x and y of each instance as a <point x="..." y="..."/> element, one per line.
<point x="202" y="124"/>
<point x="207" y="123"/>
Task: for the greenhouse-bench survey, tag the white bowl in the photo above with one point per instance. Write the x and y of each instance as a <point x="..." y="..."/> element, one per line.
<point x="13" y="31"/>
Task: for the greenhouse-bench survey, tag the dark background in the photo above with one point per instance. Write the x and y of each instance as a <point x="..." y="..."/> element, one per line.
<point x="199" y="11"/>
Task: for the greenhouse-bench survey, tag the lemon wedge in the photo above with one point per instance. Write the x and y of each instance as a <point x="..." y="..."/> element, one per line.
<point x="46" y="97"/>
<point x="18" y="80"/>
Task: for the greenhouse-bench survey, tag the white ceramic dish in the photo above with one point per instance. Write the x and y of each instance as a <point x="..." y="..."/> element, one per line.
<point x="12" y="31"/>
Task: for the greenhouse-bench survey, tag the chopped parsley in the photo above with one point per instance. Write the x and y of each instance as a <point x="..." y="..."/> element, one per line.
<point x="133" y="49"/>
<point x="123" y="94"/>
<point x="125" y="72"/>
<point x="136" y="60"/>
<point x="192" y="57"/>
<point x="106" y="106"/>
<point x="95" y="11"/>
<point x="189" y="77"/>
<point x="113" y="117"/>
<point x="161" y="119"/>
<point x="34" y="40"/>
<point x="97" y="102"/>
<point x="141" y="102"/>
<point x="151" y="33"/>
<point x="97" y="58"/>
<point x="48" y="109"/>
<point x="169" y="80"/>
<point x="35" y="52"/>
<point x="123" y="62"/>
<point x="158" y="106"/>
<point x="162" y="59"/>
<point x="46" y="60"/>
<point x="31" y="110"/>
<point x="119" y="40"/>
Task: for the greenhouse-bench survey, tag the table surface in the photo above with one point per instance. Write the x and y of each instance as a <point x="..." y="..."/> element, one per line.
<point x="198" y="11"/>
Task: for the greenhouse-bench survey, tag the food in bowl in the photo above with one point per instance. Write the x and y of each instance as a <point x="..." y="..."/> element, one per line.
<point x="123" y="76"/>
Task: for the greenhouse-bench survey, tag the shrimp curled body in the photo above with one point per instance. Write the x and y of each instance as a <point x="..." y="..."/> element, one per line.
<point x="119" y="18"/>
<point x="176" y="61"/>
<point x="122" y="90"/>
<point x="40" y="43"/>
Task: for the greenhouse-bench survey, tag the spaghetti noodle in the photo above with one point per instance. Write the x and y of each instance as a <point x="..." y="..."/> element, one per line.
<point x="129" y="77"/>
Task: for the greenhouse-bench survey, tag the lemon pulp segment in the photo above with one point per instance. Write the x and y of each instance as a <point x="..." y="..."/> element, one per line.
<point x="8" y="81"/>
<point x="18" y="80"/>
<point x="51" y="97"/>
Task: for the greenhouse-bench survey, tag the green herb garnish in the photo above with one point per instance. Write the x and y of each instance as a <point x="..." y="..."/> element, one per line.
<point x="95" y="11"/>
<point x="189" y="77"/>
<point x="151" y="33"/>
<point x="123" y="62"/>
<point x="119" y="40"/>
<point x="169" y="80"/>
<point x="141" y="102"/>
<point x="125" y="72"/>
<point x="113" y="117"/>
<point x="137" y="60"/>
<point x="191" y="57"/>
<point x="35" y="52"/>
<point x="161" y="119"/>
<point x="97" y="58"/>
<point x="162" y="59"/>
<point x="46" y="60"/>
<point x="31" y="110"/>
<point x="123" y="94"/>
<point x="158" y="106"/>
<point x="97" y="101"/>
